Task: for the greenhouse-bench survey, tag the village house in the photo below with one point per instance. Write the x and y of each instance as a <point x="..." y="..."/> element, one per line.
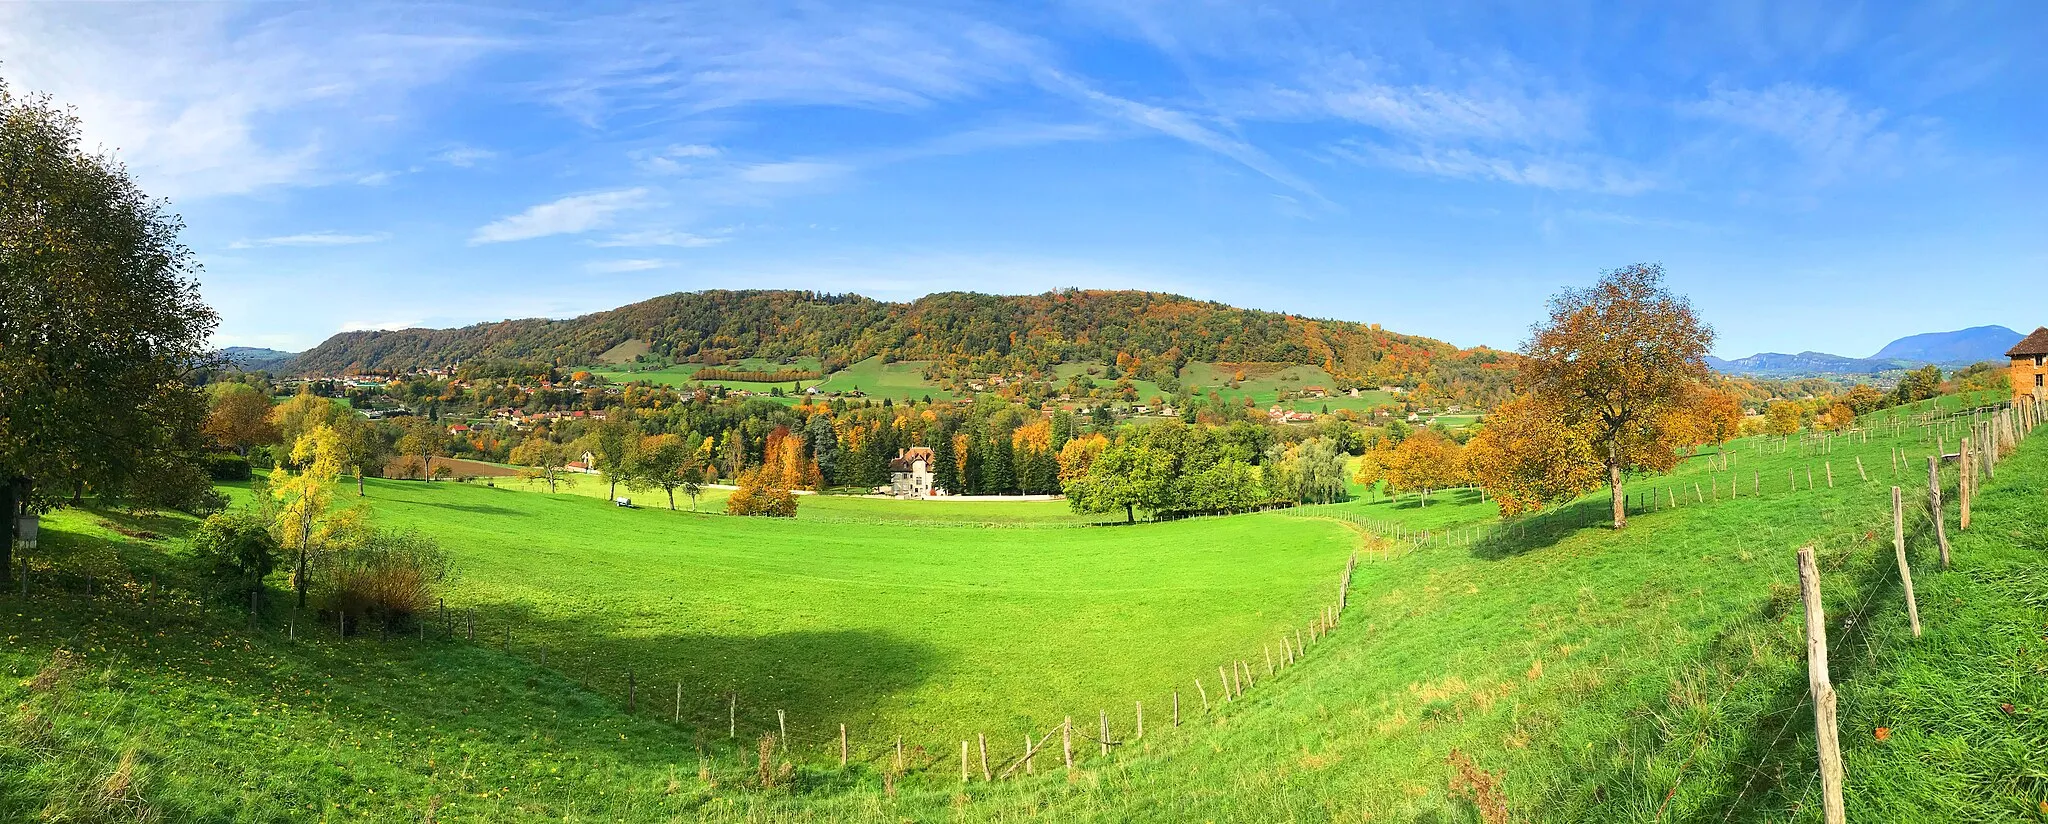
<point x="2030" y="366"/>
<point x="1313" y="391"/>
<point x="910" y="473"/>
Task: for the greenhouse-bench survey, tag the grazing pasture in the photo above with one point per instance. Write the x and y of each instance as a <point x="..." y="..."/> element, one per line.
<point x="1575" y="673"/>
<point x="897" y="380"/>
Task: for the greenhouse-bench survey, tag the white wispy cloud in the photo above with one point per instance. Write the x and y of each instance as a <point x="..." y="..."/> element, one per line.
<point x="697" y="59"/>
<point x="1829" y="133"/>
<point x="311" y="239"/>
<point x="569" y="215"/>
<point x="1600" y="175"/>
<point x="1504" y="105"/>
<point x="463" y="157"/>
<point x="793" y="171"/>
<point x="677" y="159"/>
<point x="612" y="267"/>
<point x="215" y="100"/>
<point x="663" y="237"/>
<point x="1181" y="125"/>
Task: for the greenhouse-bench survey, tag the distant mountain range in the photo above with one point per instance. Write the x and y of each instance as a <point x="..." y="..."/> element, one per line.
<point x="1959" y="348"/>
<point x="255" y="357"/>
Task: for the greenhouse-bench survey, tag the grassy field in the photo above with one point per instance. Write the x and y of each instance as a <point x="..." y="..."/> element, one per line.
<point x="898" y="381"/>
<point x="1146" y="390"/>
<point x="1654" y="674"/>
<point x="1264" y="382"/>
<point x="682" y="373"/>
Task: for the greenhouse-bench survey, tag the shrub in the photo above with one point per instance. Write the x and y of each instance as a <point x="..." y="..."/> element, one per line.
<point x="387" y="576"/>
<point x="238" y="547"/>
<point x="222" y="467"/>
<point x="759" y="494"/>
<point x="261" y="458"/>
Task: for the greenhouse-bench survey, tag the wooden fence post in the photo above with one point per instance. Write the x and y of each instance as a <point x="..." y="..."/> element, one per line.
<point x="1859" y="469"/>
<point x="842" y="747"/>
<point x="1965" y="479"/>
<point x="1067" y="740"/>
<point x="1104" y="741"/>
<point x="782" y="725"/>
<point x="732" y="717"/>
<point x="963" y="760"/>
<point x="1205" y="694"/>
<point x="985" y="774"/>
<point x="1176" y="708"/>
<point x="1830" y="467"/>
<point x="1226" y="683"/>
<point x="1899" y="548"/>
<point x="1934" y="505"/>
<point x="1823" y="691"/>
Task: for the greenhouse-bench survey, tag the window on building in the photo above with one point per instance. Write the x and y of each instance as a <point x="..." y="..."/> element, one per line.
<point x="2037" y="380"/>
<point x="2039" y="358"/>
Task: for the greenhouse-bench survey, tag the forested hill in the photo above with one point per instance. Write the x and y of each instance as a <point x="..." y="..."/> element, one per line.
<point x="1146" y="330"/>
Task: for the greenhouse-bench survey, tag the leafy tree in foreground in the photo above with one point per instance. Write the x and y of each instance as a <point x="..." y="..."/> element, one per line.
<point x="100" y="321"/>
<point x="240" y="547"/>
<point x="1614" y="359"/>
<point x="304" y="497"/>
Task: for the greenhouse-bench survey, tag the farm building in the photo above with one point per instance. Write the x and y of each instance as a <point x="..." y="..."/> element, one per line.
<point x="910" y="473"/>
<point x="2030" y="366"/>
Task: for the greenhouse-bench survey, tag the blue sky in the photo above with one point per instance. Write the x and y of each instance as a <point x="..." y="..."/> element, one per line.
<point x="1814" y="176"/>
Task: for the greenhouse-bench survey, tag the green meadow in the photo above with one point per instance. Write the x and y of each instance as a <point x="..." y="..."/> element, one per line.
<point x="1263" y="384"/>
<point x="1579" y="674"/>
<point x="682" y="373"/>
<point x="896" y="381"/>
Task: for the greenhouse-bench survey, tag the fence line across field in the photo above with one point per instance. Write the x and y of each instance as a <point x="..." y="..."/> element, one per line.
<point x="1993" y="432"/>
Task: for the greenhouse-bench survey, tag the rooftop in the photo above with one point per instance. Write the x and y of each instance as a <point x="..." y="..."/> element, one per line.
<point x="2034" y="344"/>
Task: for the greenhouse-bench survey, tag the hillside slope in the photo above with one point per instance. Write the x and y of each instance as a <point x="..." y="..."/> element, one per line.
<point x="1143" y="332"/>
<point x="1564" y="673"/>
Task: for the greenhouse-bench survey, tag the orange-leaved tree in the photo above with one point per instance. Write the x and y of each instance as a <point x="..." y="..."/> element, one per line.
<point x="1423" y="462"/>
<point x="1614" y="360"/>
<point x="1528" y="459"/>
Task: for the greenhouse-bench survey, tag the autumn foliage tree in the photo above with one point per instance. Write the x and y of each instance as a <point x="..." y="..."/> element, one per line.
<point x="1528" y="460"/>
<point x="238" y="417"/>
<point x="1614" y="360"/>
<point x="1423" y="462"/>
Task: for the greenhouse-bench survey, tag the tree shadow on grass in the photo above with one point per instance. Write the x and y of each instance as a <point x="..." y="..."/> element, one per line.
<point x="1542" y="530"/>
<point x="817" y="678"/>
<point x="480" y="509"/>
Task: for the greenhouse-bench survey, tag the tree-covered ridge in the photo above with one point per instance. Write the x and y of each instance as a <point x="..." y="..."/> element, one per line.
<point x="1147" y="333"/>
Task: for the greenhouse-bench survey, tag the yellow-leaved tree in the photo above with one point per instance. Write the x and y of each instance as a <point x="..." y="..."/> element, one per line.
<point x="303" y="497"/>
<point x="1527" y="459"/>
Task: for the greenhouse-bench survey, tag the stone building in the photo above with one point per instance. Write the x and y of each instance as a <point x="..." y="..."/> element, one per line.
<point x="2030" y="366"/>
<point x="910" y="473"/>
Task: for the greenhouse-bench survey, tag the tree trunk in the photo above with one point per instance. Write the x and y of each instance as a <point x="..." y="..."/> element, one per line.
<point x="615" y="489"/>
<point x="359" y="481"/>
<point x="1614" y="487"/>
<point x="1130" y="514"/>
<point x="10" y="507"/>
<point x="671" y="499"/>
<point x="305" y="535"/>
